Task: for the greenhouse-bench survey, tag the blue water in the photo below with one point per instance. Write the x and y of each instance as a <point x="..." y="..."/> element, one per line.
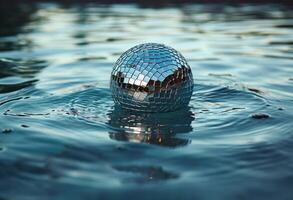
<point x="62" y="138"/>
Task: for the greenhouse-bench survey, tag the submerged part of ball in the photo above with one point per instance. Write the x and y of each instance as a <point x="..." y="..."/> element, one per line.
<point x="151" y="78"/>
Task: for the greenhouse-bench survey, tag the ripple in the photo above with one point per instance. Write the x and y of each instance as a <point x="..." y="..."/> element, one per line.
<point x="159" y="129"/>
<point x="6" y="130"/>
<point x="260" y="116"/>
<point x="212" y="74"/>
<point x="2" y="148"/>
<point x="24" y="114"/>
<point x="147" y="173"/>
<point x="284" y="26"/>
<point x="261" y="156"/>
<point x="6" y="88"/>
<point x="23" y="68"/>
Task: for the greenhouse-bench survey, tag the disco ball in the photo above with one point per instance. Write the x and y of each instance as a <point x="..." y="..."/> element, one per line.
<point x="151" y="78"/>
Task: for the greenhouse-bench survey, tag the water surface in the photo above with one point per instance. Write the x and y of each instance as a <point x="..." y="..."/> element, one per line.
<point x="62" y="138"/>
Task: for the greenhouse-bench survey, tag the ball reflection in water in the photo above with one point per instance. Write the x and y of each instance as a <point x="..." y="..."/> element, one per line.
<point x="151" y="78"/>
<point x="162" y="129"/>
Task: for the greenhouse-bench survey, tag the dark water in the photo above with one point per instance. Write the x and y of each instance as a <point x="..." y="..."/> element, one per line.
<point x="62" y="138"/>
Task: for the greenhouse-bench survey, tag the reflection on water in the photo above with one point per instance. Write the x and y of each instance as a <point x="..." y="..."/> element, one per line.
<point x="25" y="69"/>
<point x="13" y="20"/>
<point x="60" y="132"/>
<point x="151" y="128"/>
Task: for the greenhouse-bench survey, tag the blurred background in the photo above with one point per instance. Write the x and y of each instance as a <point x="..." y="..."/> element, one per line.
<point x="62" y="137"/>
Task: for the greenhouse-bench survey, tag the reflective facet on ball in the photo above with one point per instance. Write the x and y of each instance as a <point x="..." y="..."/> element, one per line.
<point x="151" y="78"/>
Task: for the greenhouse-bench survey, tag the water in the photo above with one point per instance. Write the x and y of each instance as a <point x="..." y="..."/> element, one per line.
<point x="62" y="138"/>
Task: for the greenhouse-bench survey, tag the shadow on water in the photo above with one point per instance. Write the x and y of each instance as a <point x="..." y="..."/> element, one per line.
<point x="151" y="128"/>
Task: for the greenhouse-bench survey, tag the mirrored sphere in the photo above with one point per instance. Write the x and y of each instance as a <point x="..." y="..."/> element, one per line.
<point x="151" y="78"/>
